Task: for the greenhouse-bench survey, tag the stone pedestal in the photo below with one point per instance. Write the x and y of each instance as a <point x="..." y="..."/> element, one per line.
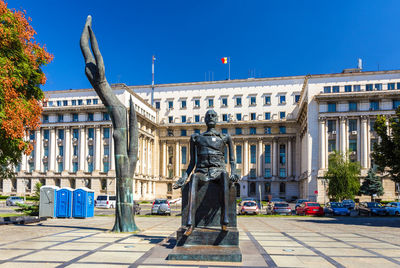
<point x="208" y="242"/>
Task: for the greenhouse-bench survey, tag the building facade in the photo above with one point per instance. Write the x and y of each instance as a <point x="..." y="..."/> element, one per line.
<point x="283" y="129"/>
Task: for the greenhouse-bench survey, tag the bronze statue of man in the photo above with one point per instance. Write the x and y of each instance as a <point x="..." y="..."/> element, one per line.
<point x="207" y="155"/>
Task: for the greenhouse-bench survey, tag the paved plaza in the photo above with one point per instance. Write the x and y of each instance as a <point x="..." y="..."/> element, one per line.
<point x="264" y="241"/>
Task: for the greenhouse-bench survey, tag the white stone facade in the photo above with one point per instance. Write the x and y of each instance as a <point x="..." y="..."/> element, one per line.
<point x="283" y="130"/>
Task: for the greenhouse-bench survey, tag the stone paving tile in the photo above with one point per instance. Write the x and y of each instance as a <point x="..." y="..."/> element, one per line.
<point x="30" y="245"/>
<point x="272" y="238"/>
<point x="53" y="238"/>
<point x="112" y="257"/>
<point x="97" y="265"/>
<point x="314" y="239"/>
<point x="54" y="255"/>
<point x="129" y="247"/>
<point x="316" y="262"/>
<point x="328" y="245"/>
<point x="375" y="245"/>
<point x="365" y="262"/>
<point x="78" y="245"/>
<point x="29" y="265"/>
<point x="345" y="252"/>
<point x="389" y="252"/>
<point x="289" y="251"/>
<point x="279" y="243"/>
<point x="10" y="253"/>
<point x="98" y="239"/>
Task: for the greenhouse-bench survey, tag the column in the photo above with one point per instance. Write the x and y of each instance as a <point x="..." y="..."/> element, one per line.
<point x="52" y="150"/>
<point x="289" y="157"/>
<point x="322" y="141"/>
<point x="164" y="162"/>
<point x="102" y="153"/>
<point x="97" y="150"/>
<point x="144" y="164"/>
<point x="343" y="135"/>
<point x="246" y="158"/>
<point x="149" y="151"/>
<point x="139" y="188"/>
<point x="177" y="147"/>
<point x="82" y="151"/>
<point x="154" y="189"/>
<point x="259" y="158"/>
<point x="24" y="162"/>
<point x="67" y="156"/>
<point x="364" y="142"/>
<point x="275" y="158"/>
<point x="38" y="150"/>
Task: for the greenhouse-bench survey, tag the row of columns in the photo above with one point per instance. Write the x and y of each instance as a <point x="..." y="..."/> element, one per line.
<point x="146" y="149"/>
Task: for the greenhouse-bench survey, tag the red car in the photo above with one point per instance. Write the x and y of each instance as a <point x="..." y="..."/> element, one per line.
<point x="310" y="208"/>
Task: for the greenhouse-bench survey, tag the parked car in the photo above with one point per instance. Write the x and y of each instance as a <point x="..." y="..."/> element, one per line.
<point x="281" y="208"/>
<point x="310" y="208"/>
<point x="371" y="208"/>
<point x="336" y="209"/>
<point x="348" y="203"/>
<point x="161" y="206"/>
<point x="299" y="202"/>
<point x="13" y="200"/>
<point x="253" y="199"/>
<point x="105" y="201"/>
<point x="393" y="209"/>
<point x="248" y="207"/>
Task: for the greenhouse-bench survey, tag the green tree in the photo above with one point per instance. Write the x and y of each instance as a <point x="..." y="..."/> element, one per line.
<point x="386" y="153"/>
<point x="372" y="185"/>
<point x="342" y="176"/>
<point x="21" y="60"/>
<point x="31" y="209"/>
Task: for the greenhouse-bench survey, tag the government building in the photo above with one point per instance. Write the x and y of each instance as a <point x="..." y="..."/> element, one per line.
<point x="283" y="129"/>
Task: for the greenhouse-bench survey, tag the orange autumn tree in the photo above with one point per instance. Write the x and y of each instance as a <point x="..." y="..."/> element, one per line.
<point x="21" y="59"/>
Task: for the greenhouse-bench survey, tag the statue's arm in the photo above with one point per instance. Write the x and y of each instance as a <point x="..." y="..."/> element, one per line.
<point x="234" y="177"/>
<point x="191" y="166"/>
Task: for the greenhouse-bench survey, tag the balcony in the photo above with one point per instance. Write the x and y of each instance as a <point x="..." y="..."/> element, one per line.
<point x="60" y="142"/>
<point x="74" y="141"/>
<point x="90" y="141"/>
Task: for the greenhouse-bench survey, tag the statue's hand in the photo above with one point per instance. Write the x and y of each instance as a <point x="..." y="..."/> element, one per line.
<point x="180" y="182"/>
<point x="234" y="177"/>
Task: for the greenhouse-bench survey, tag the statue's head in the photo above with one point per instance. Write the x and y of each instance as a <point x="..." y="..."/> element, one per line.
<point x="211" y="118"/>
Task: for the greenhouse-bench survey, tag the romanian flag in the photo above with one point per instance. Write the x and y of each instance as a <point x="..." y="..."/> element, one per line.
<point x="224" y="60"/>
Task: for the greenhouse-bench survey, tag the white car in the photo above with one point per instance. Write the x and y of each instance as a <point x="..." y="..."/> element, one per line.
<point x="106" y="201"/>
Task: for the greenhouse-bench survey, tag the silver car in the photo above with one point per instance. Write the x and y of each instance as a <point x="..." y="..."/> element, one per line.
<point x="13" y="200"/>
<point x="161" y="206"/>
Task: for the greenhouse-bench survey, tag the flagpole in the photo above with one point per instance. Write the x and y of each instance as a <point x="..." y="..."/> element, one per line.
<point x="152" y="80"/>
<point x="229" y="68"/>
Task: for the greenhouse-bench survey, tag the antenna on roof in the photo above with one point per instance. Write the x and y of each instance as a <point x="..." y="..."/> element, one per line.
<point x="360" y="64"/>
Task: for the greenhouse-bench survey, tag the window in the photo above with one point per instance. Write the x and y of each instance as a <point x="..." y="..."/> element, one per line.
<point x="238" y="131"/>
<point x="197" y="103"/>
<point x="282" y="130"/>
<point x="75" y="150"/>
<point x="353" y="145"/>
<point x="282" y="154"/>
<point x="267" y="116"/>
<point x="282" y="185"/>
<point x="50" y="103"/>
<point x="378" y="86"/>
<point x="170" y="119"/>
<point x="398" y="85"/>
<point x="73" y="102"/>
<point x="282" y="99"/>
<point x="239" y="117"/>
<point x="282" y="115"/>
<point x="356" y="88"/>
<point x="296" y="98"/>
<point x="106" y="116"/>
<point x="267" y="130"/>
<point x="267" y="100"/>
<point x="106" y="166"/>
<point x="267" y="154"/>
<point x="267" y="174"/>
<point x="331" y="107"/>
<point x="253" y="173"/>
<point x="157" y="105"/>
<point x="59" y="103"/>
<point x="65" y="103"/>
<point x="371" y="125"/>
<point x="75" y="133"/>
<point x="183" y="153"/>
<point x="391" y="86"/>
<point x="106" y="133"/>
<point x="107" y="150"/>
<point x="95" y="101"/>
<point x="374" y="105"/>
<point x="60" y="167"/>
<point x="238" y="101"/>
<point x="46" y="134"/>
<point x="183" y="132"/>
<point x="282" y="173"/>
<point x="253" y="116"/>
<point x="197" y="118"/>
<point x="183" y="118"/>
<point x="90" y="167"/>
<point x="347" y="88"/>
<point x="327" y="89"/>
<point x="210" y="103"/>
<point x="60" y="118"/>
<point x="331" y="125"/>
<point x="75" y="118"/>
<point x="368" y="87"/>
<point x="352" y="106"/>
<point x="335" y="89"/>
<point x="396" y="103"/>
<point x="224" y="131"/>
<point x="88" y="101"/>
<point x="170" y="104"/>
<point x="331" y="145"/>
<point x="183" y="104"/>
<point x="90" y="150"/>
<point x="61" y="134"/>
<point x="224" y="102"/>
<point x="80" y="102"/>
<point x="75" y="167"/>
<point x="225" y="117"/>
<point x="90" y="133"/>
<point x="197" y="131"/>
<point x="352" y="125"/>
<point x="238" y="154"/>
<point x="45" y="118"/>
<point x="253" y="101"/>
<point x="46" y="151"/>
<point x="31" y="135"/>
<point x="253" y="131"/>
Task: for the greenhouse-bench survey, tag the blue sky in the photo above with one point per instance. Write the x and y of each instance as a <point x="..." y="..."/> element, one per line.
<point x="263" y="38"/>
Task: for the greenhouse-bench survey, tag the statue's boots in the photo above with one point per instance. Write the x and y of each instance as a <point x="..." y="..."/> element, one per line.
<point x="189" y="231"/>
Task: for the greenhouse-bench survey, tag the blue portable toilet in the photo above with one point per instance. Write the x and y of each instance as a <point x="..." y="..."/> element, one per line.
<point x="64" y="203"/>
<point x="83" y="203"/>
